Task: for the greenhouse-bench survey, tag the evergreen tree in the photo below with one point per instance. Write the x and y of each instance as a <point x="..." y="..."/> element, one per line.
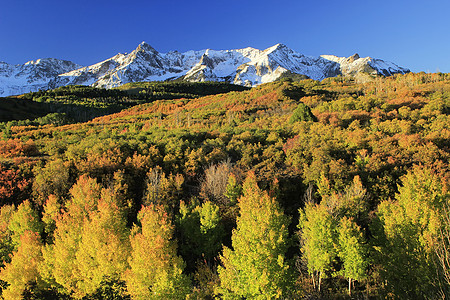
<point x="256" y="267"/>
<point x="302" y="113"/>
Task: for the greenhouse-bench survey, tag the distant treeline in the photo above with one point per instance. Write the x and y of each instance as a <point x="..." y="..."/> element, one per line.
<point x="82" y="103"/>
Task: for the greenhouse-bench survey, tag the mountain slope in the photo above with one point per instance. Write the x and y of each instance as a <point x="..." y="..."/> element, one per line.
<point x="248" y="66"/>
<point x="31" y="76"/>
<point x="356" y="64"/>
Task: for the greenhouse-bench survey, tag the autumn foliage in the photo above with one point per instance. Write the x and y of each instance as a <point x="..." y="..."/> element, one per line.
<point x="287" y="190"/>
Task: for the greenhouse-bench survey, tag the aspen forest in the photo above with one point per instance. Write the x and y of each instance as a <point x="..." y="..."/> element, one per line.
<point x="331" y="189"/>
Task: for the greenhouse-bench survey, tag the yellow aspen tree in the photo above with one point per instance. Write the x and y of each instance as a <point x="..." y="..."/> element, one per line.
<point x="59" y="267"/>
<point x="256" y="267"/>
<point x="317" y="238"/>
<point x="353" y="251"/>
<point x="407" y="232"/>
<point x="156" y="272"/>
<point x="24" y="218"/>
<point x="104" y="247"/>
<point x="23" y="268"/>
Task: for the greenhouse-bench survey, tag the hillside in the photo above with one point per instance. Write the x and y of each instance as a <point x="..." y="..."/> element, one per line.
<point x="82" y="103"/>
<point x="263" y="167"/>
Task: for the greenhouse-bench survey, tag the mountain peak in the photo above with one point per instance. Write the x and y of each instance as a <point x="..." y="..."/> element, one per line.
<point x="145" y="47"/>
<point x="40" y="61"/>
<point x="278" y="46"/>
<point x="355" y="56"/>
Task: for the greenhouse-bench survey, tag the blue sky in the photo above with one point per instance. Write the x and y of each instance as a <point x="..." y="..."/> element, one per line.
<point x="412" y="34"/>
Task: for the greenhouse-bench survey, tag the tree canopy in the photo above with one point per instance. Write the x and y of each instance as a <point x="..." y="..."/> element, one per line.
<point x="320" y="188"/>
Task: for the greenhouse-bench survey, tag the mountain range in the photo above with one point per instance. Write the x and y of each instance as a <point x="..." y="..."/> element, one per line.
<point x="248" y="66"/>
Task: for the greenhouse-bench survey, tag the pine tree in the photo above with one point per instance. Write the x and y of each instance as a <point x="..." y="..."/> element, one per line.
<point x="302" y="113"/>
<point x="256" y="267"/>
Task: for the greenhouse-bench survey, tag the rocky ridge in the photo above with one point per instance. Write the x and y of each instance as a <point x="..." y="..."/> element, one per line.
<point x="248" y="66"/>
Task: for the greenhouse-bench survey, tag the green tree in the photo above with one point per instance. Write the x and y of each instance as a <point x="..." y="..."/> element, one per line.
<point x="51" y="213"/>
<point x="190" y="237"/>
<point x="302" y="113"/>
<point x="352" y="251"/>
<point x="156" y="272"/>
<point x="24" y="218"/>
<point x="201" y="231"/>
<point x="407" y="231"/>
<point x="211" y="229"/>
<point x="256" y="267"/>
<point x="233" y="189"/>
<point x="6" y="244"/>
<point x="317" y="238"/>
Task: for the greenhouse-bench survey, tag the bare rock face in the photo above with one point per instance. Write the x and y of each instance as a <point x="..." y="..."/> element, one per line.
<point x="248" y="66"/>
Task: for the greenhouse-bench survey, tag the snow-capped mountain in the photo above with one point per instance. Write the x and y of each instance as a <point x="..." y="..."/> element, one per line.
<point x="372" y="66"/>
<point x="31" y="76"/>
<point x="246" y="66"/>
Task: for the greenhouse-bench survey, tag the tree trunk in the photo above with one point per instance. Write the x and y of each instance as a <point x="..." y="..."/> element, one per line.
<point x="349" y="286"/>
<point x="320" y="279"/>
